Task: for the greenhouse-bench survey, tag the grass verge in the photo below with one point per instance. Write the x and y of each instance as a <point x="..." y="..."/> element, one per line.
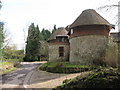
<point x="9" y="65"/>
<point x="4" y="71"/>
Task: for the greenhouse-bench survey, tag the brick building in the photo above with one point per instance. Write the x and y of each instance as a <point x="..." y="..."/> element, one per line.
<point x="59" y="46"/>
<point x="88" y="38"/>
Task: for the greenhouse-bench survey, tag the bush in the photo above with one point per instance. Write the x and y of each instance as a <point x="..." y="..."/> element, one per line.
<point x="111" y="53"/>
<point x="30" y="59"/>
<point x="66" y="81"/>
<point x="104" y="78"/>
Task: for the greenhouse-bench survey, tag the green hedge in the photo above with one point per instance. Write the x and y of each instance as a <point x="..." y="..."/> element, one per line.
<point x="64" y="67"/>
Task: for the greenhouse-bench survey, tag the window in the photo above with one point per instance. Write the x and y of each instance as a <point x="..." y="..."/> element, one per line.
<point x="71" y="31"/>
<point x="61" y="51"/>
<point x="62" y="39"/>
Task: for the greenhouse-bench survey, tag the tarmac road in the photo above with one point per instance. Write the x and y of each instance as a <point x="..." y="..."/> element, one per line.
<point x="20" y="77"/>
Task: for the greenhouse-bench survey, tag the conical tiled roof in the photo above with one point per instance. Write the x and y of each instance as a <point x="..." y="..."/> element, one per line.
<point x="58" y="32"/>
<point x="89" y="17"/>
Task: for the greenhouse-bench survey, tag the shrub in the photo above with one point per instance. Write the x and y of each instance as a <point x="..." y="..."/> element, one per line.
<point x="66" y="81"/>
<point x="30" y="58"/>
<point x="111" y="53"/>
<point x="104" y="78"/>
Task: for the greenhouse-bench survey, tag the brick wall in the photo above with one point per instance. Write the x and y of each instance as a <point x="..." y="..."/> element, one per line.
<point x="90" y="30"/>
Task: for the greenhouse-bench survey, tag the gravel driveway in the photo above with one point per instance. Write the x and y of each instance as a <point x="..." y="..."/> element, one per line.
<point x="18" y="78"/>
<point x="29" y="76"/>
<point x="45" y="80"/>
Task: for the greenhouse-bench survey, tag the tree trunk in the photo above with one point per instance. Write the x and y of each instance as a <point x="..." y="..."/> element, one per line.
<point x="118" y="63"/>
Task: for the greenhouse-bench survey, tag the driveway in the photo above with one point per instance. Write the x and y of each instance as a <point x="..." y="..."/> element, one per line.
<point x="20" y="77"/>
<point x="29" y="76"/>
<point x="42" y="80"/>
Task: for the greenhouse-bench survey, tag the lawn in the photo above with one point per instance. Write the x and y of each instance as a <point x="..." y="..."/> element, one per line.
<point x="64" y="67"/>
<point x="63" y="64"/>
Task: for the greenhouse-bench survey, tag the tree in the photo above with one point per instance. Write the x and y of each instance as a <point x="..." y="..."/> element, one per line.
<point x="1" y="39"/>
<point x="43" y="50"/>
<point x="11" y="52"/>
<point x="33" y="44"/>
<point x="54" y="29"/>
<point x="1" y="35"/>
<point x="0" y="4"/>
<point x="41" y="38"/>
<point x="110" y="7"/>
<point x="46" y="34"/>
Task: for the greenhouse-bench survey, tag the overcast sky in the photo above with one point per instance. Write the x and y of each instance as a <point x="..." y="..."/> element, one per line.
<point x="18" y="14"/>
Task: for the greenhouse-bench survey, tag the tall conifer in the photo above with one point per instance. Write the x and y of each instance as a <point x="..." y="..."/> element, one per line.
<point x="33" y="45"/>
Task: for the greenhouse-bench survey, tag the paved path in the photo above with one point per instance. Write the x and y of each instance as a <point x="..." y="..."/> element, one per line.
<point x="18" y="78"/>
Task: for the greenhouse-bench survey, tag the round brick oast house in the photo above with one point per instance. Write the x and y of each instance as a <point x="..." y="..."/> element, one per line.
<point x="58" y="46"/>
<point x="88" y="38"/>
